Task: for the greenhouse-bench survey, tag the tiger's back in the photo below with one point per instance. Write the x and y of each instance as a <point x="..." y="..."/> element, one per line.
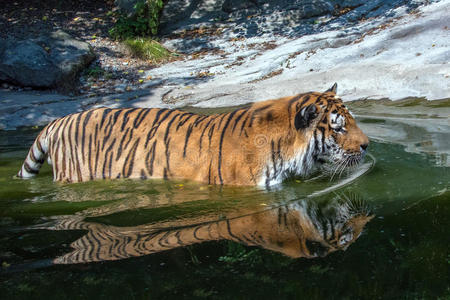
<point x="135" y="143"/>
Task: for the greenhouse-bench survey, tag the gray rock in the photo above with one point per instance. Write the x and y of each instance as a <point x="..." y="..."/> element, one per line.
<point x="180" y="13"/>
<point x="26" y="63"/>
<point x="229" y="6"/>
<point x="127" y="6"/>
<point x="185" y="14"/>
<point x="52" y="61"/>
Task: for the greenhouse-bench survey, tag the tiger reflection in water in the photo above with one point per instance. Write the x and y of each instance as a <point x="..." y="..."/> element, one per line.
<point x="303" y="228"/>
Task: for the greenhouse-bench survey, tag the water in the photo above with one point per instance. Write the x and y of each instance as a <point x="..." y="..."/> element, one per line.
<point x="134" y="239"/>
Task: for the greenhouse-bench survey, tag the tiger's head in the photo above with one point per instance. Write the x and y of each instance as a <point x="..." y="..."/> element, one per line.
<point x="337" y="138"/>
<point x="306" y="131"/>
<point x="309" y="228"/>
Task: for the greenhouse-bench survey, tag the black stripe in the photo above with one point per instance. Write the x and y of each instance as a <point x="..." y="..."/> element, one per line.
<point x="116" y="116"/>
<point x="188" y="134"/>
<point x="221" y="144"/>
<point x="232" y="234"/>
<point x="119" y="150"/>
<point x="222" y="116"/>
<point x="272" y="149"/>
<point x="109" y="127"/>
<point x="77" y="126"/>
<point x="91" y="176"/>
<point x="199" y="120"/>
<point x="243" y="123"/>
<point x="130" y="138"/>
<point x="97" y="151"/>
<point x="167" y="153"/>
<point x="104" y="115"/>
<point x="155" y="128"/>
<point x="195" y="233"/>
<point x="182" y="122"/>
<point x="238" y="118"/>
<point x="105" y="155"/>
<point x="209" y="172"/>
<point x="158" y="114"/>
<point x="34" y="159"/>
<point x="29" y="169"/>
<point x="129" y="160"/>
<point x="210" y="134"/>
<point x="322" y="130"/>
<point x="203" y="132"/>
<point x="83" y="134"/>
<point x="177" y="235"/>
<point x="71" y="148"/>
<point x="110" y="164"/>
<point x="38" y="144"/>
<point x="137" y="119"/>
<point x="126" y="118"/>
<point x="150" y="156"/>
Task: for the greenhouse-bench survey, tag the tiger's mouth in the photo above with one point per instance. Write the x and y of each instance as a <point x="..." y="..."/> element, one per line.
<point x="342" y="164"/>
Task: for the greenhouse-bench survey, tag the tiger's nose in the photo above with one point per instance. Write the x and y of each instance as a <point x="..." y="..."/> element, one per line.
<point x="364" y="146"/>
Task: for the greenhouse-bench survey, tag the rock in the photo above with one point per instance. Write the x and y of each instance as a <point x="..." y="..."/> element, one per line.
<point x="127" y="6"/>
<point x="52" y="61"/>
<point x="26" y="63"/>
<point x="184" y="14"/>
<point x="180" y="13"/>
<point x="229" y="6"/>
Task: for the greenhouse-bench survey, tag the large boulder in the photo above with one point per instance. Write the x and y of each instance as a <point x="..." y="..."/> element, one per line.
<point x="52" y="61"/>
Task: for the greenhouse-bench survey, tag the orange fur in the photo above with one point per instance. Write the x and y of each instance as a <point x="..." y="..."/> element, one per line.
<point x="245" y="147"/>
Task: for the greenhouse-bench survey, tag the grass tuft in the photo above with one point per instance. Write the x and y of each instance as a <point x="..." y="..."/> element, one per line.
<point x="147" y="49"/>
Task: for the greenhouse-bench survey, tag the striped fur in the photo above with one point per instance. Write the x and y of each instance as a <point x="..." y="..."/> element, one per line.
<point x="300" y="229"/>
<point x="258" y="145"/>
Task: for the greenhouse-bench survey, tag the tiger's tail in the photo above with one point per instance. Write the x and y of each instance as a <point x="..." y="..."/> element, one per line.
<point x="35" y="158"/>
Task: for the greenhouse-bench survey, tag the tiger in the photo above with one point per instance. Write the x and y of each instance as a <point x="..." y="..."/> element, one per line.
<point x="258" y="145"/>
<point x="303" y="228"/>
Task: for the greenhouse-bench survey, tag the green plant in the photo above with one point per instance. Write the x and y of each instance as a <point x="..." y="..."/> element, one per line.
<point x="147" y="49"/>
<point x="97" y="72"/>
<point x="144" y="22"/>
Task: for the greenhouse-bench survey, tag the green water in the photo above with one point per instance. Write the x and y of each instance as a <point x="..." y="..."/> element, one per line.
<point x="403" y="252"/>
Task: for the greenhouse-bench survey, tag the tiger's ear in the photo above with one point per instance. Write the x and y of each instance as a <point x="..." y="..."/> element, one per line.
<point x="305" y="116"/>
<point x="332" y="89"/>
